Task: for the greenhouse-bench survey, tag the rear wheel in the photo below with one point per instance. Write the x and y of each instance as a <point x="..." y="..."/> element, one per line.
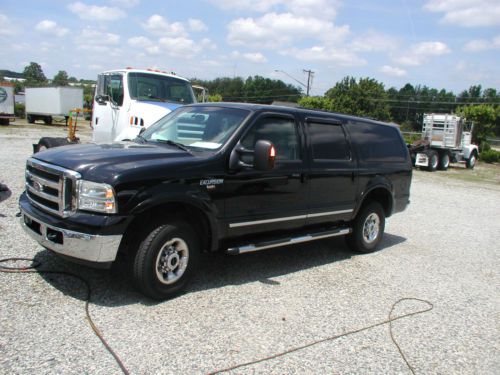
<point x="368" y="228"/>
<point x="166" y="259"/>
<point x="31" y="119"/>
<point x="433" y="161"/>
<point x="4" y="121"/>
<point x="444" y="161"/>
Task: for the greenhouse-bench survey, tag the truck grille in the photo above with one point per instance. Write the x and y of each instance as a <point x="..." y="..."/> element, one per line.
<point x="50" y="187"/>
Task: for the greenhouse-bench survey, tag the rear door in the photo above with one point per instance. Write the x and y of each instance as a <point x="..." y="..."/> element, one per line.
<point x="333" y="171"/>
<point x="263" y="201"/>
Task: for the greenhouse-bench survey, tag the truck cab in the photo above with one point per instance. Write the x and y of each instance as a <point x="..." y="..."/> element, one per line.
<point x="128" y="100"/>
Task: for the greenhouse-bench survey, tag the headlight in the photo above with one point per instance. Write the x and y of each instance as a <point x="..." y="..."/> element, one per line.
<point x="92" y="196"/>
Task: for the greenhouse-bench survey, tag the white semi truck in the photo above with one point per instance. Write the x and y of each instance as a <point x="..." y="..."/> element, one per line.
<point x="42" y="103"/>
<point x="127" y="100"/>
<point x="6" y="102"/>
<point x="445" y="138"/>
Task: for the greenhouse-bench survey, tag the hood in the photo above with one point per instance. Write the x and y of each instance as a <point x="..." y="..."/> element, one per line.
<point x="151" y="111"/>
<point x="115" y="162"/>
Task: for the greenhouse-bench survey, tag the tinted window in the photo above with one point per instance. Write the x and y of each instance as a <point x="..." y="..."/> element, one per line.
<point x="155" y="87"/>
<point x="280" y="131"/>
<point x="377" y="142"/>
<point x="328" y="141"/>
<point x="111" y="86"/>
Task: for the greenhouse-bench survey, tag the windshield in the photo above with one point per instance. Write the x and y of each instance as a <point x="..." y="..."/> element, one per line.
<point x="198" y="127"/>
<point x="146" y="86"/>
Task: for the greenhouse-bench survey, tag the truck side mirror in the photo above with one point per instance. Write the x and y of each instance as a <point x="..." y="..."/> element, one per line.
<point x="264" y="155"/>
<point x="101" y="99"/>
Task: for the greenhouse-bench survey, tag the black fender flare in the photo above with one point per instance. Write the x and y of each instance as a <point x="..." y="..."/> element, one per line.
<point x="378" y="182"/>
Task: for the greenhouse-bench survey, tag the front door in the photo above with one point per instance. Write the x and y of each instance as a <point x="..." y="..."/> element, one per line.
<point x="258" y="201"/>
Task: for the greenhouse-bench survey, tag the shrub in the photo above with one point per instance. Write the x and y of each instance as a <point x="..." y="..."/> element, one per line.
<point x="19" y="110"/>
<point x="485" y="146"/>
<point x="490" y="156"/>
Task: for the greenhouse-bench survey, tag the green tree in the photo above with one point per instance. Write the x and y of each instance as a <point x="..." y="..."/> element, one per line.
<point x="34" y="75"/>
<point x="366" y="98"/>
<point x="486" y="119"/>
<point x="61" y="79"/>
<point x="316" y="102"/>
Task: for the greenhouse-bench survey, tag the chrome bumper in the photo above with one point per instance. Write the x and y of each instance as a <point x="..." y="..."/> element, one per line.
<point x="87" y="247"/>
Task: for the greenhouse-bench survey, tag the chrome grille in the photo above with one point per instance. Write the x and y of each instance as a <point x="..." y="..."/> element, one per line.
<point x="50" y="187"/>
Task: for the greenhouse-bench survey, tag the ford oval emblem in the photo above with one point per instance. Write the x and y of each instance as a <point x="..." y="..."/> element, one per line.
<point x="37" y="186"/>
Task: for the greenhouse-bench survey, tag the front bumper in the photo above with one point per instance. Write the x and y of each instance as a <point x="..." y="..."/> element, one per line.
<point x="89" y="248"/>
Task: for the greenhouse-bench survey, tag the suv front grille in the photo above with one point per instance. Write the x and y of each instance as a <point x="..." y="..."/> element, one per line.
<point x="50" y="187"/>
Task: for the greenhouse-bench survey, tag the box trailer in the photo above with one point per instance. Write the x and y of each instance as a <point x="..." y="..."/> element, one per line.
<point x="44" y="102"/>
<point x="6" y="102"/>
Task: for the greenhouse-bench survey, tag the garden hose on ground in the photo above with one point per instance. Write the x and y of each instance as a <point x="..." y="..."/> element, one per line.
<point x="34" y="268"/>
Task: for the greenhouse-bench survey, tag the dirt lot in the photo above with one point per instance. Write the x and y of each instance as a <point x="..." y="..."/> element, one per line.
<point x="443" y="248"/>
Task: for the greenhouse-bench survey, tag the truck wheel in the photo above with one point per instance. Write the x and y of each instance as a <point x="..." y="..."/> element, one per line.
<point x="368" y="228"/>
<point x="4" y="121"/>
<point x="31" y="119"/>
<point x="49" y="142"/>
<point x="47" y="120"/>
<point x="444" y="161"/>
<point x="166" y="259"/>
<point x="433" y="161"/>
<point x="471" y="162"/>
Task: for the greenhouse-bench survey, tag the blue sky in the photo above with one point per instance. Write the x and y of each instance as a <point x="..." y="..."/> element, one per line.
<point x="450" y="44"/>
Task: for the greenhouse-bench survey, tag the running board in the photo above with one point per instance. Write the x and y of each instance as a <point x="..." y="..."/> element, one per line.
<point x="287" y="241"/>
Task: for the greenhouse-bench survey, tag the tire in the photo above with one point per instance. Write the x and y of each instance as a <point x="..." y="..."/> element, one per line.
<point x="444" y="161"/>
<point x="47" y="120"/>
<point x="433" y="161"/>
<point x="31" y="119"/>
<point x="471" y="162"/>
<point x="166" y="260"/>
<point x="4" y="121"/>
<point x="368" y="228"/>
<point x="50" y="142"/>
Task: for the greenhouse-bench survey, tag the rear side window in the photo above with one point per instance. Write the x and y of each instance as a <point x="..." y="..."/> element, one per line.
<point x="328" y="141"/>
<point x="377" y="142"/>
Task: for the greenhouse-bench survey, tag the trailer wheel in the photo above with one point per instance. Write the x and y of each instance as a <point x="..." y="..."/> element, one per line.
<point x="433" y="161"/>
<point x="47" y="120"/>
<point x="31" y="119"/>
<point x="444" y="161"/>
<point x="471" y="162"/>
<point x="4" y="121"/>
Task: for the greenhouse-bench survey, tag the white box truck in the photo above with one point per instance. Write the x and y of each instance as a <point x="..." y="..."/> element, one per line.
<point x="44" y="102"/>
<point x="6" y="102"/>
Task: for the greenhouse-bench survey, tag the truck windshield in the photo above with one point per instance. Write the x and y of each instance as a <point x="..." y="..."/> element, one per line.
<point x="197" y="127"/>
<point x="146" y="86"/>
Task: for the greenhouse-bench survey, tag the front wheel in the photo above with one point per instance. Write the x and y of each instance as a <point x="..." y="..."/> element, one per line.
<point x="166" y="259"/>
<point x="471" y="162"/>
<point x="368" y="228"/>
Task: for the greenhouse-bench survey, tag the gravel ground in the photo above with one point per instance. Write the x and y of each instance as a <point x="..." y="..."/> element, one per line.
<point x="442" y="249"/>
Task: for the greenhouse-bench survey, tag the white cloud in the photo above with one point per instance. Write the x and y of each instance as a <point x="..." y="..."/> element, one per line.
<point x="139" y="41"/>
<point x="392" y="71"/>
<point x="208" y="44"/>
<point x="51" y="28"/>
<point x="479" y="45"/>
<point x="179" y="47"/>
<point x="196" y="25"/>
<point x="7" y="28"/>
<point x="340" y="56"/>
<point x="96" y="13"/>
<point x="326" y="9"/>
<point x="157" y="24"/>
<point x="422" y="52"/>
<point x="374" y="42"/>
<point x="277" y="30"/>
<point x="96" y="37"/>
<point x="466" y="13"/>
<point x="126" y="3"/>
<point x="254" y="57"/>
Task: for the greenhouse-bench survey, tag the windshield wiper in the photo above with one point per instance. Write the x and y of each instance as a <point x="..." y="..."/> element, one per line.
<point x="140" y="139"/>
<point x="172" y="143"/>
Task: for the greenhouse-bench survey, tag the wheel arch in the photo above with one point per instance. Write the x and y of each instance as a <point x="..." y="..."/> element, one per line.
<point x="381" y="194"/>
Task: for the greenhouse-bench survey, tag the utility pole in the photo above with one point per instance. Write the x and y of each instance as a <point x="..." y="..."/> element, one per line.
<point x="310" y="75"/>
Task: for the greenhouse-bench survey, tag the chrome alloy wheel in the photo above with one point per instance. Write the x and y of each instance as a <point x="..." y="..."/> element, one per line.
<point x="172" y="261"/>
<point x="371" y="228"/>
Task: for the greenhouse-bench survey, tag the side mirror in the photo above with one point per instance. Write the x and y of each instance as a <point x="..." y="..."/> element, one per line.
<point x="101" y="99"/>
<point x="264" y="155"/>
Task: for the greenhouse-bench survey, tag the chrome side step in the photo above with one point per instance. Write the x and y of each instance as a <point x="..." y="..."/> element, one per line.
<point x="287" y="241"/>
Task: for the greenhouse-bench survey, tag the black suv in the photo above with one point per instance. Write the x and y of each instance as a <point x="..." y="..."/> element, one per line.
<point x="207" y="177"/>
